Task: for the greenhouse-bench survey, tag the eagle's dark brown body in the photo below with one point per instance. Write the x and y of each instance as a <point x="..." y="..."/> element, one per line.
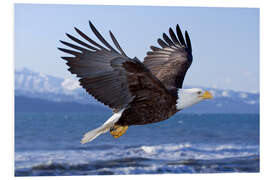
<point x="147" y="91"/>
<point x="157" y="109"/>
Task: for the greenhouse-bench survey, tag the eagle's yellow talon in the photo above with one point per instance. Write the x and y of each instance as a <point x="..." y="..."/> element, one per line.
<point x="118" y="131"/>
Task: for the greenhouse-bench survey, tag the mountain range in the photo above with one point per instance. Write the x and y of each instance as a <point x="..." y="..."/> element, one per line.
<point x="41" y="91"/>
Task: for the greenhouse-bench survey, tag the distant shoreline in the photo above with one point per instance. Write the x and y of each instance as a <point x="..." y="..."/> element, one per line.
<point x="26" y="104"/>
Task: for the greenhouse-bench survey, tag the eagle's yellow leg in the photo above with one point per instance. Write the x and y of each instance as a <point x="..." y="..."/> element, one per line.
<point x="117" y="131"/>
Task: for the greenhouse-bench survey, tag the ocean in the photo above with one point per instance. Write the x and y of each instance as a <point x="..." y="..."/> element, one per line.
<point x="48" y="144"/>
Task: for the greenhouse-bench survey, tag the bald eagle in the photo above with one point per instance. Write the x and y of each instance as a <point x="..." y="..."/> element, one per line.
<point x="138" y="92"/>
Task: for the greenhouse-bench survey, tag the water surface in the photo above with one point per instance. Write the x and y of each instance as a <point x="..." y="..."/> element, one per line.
<point x="49" y="144"/>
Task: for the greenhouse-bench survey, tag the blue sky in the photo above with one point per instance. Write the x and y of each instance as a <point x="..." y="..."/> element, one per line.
<point x="225" y="41"/>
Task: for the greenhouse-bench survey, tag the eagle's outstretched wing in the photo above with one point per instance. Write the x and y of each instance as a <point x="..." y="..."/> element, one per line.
<point x="170" y="62"/>
<point x="110" y="76"/>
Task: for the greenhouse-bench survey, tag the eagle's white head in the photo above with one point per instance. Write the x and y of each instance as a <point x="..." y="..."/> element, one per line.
<point x="188" y="97"/>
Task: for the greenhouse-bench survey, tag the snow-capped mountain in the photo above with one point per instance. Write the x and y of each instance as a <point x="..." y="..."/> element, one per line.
<point x="245" y="97"/>
<point x="27" y="80"/>
<point x="37" y="85"/>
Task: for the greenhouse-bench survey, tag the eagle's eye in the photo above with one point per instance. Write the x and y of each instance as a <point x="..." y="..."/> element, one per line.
<point x="199" y="92"/>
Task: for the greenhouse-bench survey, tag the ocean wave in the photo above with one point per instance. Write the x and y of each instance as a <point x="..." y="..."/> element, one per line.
<point x="163" y="158"/>
<point x="101" y="168"/>
<point x="195" y="151"/>
<point x="139" y="165"/>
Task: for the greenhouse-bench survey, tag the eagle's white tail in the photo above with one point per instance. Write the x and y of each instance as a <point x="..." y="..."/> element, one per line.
<point x="91" y="135"/>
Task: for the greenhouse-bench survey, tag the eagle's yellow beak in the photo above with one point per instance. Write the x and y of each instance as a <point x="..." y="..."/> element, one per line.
<point x="207" y="95"/>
